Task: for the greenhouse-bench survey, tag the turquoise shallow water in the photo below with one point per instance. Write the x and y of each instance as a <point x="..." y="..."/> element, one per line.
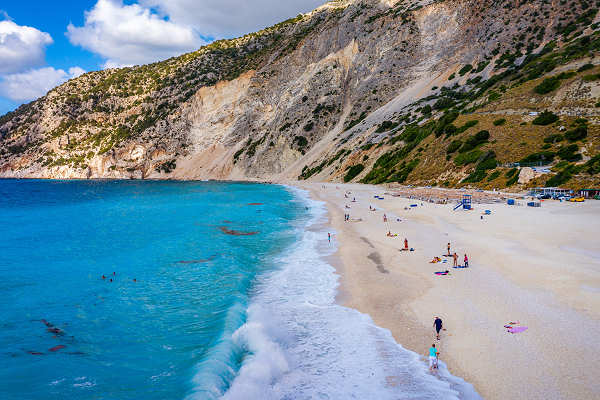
<point x="233" y="298"/>
<point x="124" y="339"/>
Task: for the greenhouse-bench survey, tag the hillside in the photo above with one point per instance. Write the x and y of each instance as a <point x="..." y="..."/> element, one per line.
<point x="450" y="93"/>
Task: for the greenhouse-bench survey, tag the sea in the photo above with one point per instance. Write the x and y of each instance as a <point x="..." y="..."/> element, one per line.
<point x="185" y="290"/>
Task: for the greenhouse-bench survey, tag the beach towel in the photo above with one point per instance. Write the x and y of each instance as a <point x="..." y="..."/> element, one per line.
<point x="442" y="272"/>
<point x="460" y="266"/>
<point x="517" y="329"/>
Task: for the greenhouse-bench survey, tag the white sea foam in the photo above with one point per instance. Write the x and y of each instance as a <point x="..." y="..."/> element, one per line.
<point x="305" y="346"/>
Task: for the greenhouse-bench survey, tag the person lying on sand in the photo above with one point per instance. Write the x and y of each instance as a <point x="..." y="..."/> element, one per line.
<point x="435" y="260"/>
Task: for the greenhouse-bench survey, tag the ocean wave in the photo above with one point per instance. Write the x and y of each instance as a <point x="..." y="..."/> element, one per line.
<point x="299" y="344"/>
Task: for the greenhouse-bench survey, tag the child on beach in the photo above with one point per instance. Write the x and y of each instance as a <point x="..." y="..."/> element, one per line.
<point x="433" y="358"/>
<point x="466" y="261"/>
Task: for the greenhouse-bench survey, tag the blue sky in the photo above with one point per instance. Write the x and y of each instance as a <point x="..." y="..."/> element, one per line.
<point x="44" y="43"/>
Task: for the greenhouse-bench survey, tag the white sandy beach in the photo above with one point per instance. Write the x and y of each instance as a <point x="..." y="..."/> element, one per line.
<point x="537" y="266"/>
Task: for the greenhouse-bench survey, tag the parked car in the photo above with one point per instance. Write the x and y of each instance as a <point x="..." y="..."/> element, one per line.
<point x="577" y="200"/>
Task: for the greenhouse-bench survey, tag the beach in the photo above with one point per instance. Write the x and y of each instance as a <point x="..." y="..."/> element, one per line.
<point x="535" y="267"/>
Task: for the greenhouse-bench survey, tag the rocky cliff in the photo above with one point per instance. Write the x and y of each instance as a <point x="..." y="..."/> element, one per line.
<point x="450" y="92"/>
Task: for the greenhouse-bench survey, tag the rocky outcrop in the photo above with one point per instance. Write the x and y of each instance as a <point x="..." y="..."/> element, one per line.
<point x="309" y="97"/>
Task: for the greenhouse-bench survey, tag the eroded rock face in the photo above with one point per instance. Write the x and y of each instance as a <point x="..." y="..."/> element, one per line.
<point x="270" y="105"/>
<point x="526" y="175"/>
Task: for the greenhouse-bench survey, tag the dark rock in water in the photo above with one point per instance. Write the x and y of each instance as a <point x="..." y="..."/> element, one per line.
<point x="197" y="261"/>
<point x="35" y="353"/>
<point x="236" y="233"/>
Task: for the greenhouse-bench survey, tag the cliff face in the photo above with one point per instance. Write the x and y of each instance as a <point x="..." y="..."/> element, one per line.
<point x="372" y="90"/>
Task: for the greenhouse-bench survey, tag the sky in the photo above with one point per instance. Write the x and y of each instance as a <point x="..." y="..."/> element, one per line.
<point x="45" y="43"/>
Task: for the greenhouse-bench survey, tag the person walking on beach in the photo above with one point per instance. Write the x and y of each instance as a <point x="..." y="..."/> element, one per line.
<point x="449" y="249"/>
<point x="405" y="244"/>
<point x="455" y="257"/>
<point x="384" y="218"/>
<point x="438" y="326"/>
<point x="329" y="237"/>
<point x="433" y="357"/>
<point x="466" y="261"/>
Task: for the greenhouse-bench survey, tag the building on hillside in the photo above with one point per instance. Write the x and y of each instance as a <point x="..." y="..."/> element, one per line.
<point x="590" y="193"/>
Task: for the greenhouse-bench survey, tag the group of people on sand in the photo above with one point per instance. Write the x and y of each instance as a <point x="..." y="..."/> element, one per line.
<point x="455" y="258"/>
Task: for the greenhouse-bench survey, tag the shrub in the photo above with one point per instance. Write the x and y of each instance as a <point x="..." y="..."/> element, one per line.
<point x="474" y="141"/>
<point x="308" y="127"/>
<point x="301" y="141"/>
<point x="585" y="67"/>
<point x="467" y="158"/>
<point x="556" y="137"/>
<point x="455" y="145"/>
<point x="353" y="172"/>
<point x="563" y="176"/>
<point x="488" y="163"/>
<point x="426" y="110"/>
<point x="166" y="167"/>
<point x="569" y="153"/>
<point x="444" y="102"/>
<point x="576" y="134"/>
<point x="386" y="126"/>
<point x="545" y="118"/>
<point x="451" y="77"/>
<point x="548" y="85"/>
<point x="512" y="180"/>
<point x="511" y="172"/>
<point x="467" y="125"/>
<point x="465" y="69"/>
<point x="482" y="136"/>
<point x="592" y="77"/>
<point x="493" y="176"/>
<point x="593" y="165"/>
<point x="499" y="122"/>
<point x="476" y="176"/>
<point x="493" y="95"/>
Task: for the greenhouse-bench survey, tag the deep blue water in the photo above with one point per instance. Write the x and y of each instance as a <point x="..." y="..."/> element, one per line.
<point x="146" y="339"/>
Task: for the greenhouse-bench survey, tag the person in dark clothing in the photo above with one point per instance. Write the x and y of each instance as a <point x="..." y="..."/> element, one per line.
<point x="438" y="326"/>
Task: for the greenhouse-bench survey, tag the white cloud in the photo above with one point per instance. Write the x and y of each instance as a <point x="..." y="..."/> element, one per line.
<point x="230" y="18"/>
<point x="21" y="47"/>
<point x="131" y="34"/>
<point x="32" y="84"/>
<point x="153" y="30"/>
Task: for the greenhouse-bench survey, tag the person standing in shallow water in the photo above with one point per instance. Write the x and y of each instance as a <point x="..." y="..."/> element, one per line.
<point x="438" y="326"/>
<point x="433" y="357"/>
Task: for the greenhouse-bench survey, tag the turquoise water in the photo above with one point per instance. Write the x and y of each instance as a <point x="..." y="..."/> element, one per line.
<point x="210" y="290"/>
<point x="124" y="339"/>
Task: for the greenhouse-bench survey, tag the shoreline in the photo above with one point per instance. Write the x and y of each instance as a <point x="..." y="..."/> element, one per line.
<point x="399" y="291"/>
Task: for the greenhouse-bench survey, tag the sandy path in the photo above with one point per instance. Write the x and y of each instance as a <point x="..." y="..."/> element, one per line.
<point x="538" y="266"/>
